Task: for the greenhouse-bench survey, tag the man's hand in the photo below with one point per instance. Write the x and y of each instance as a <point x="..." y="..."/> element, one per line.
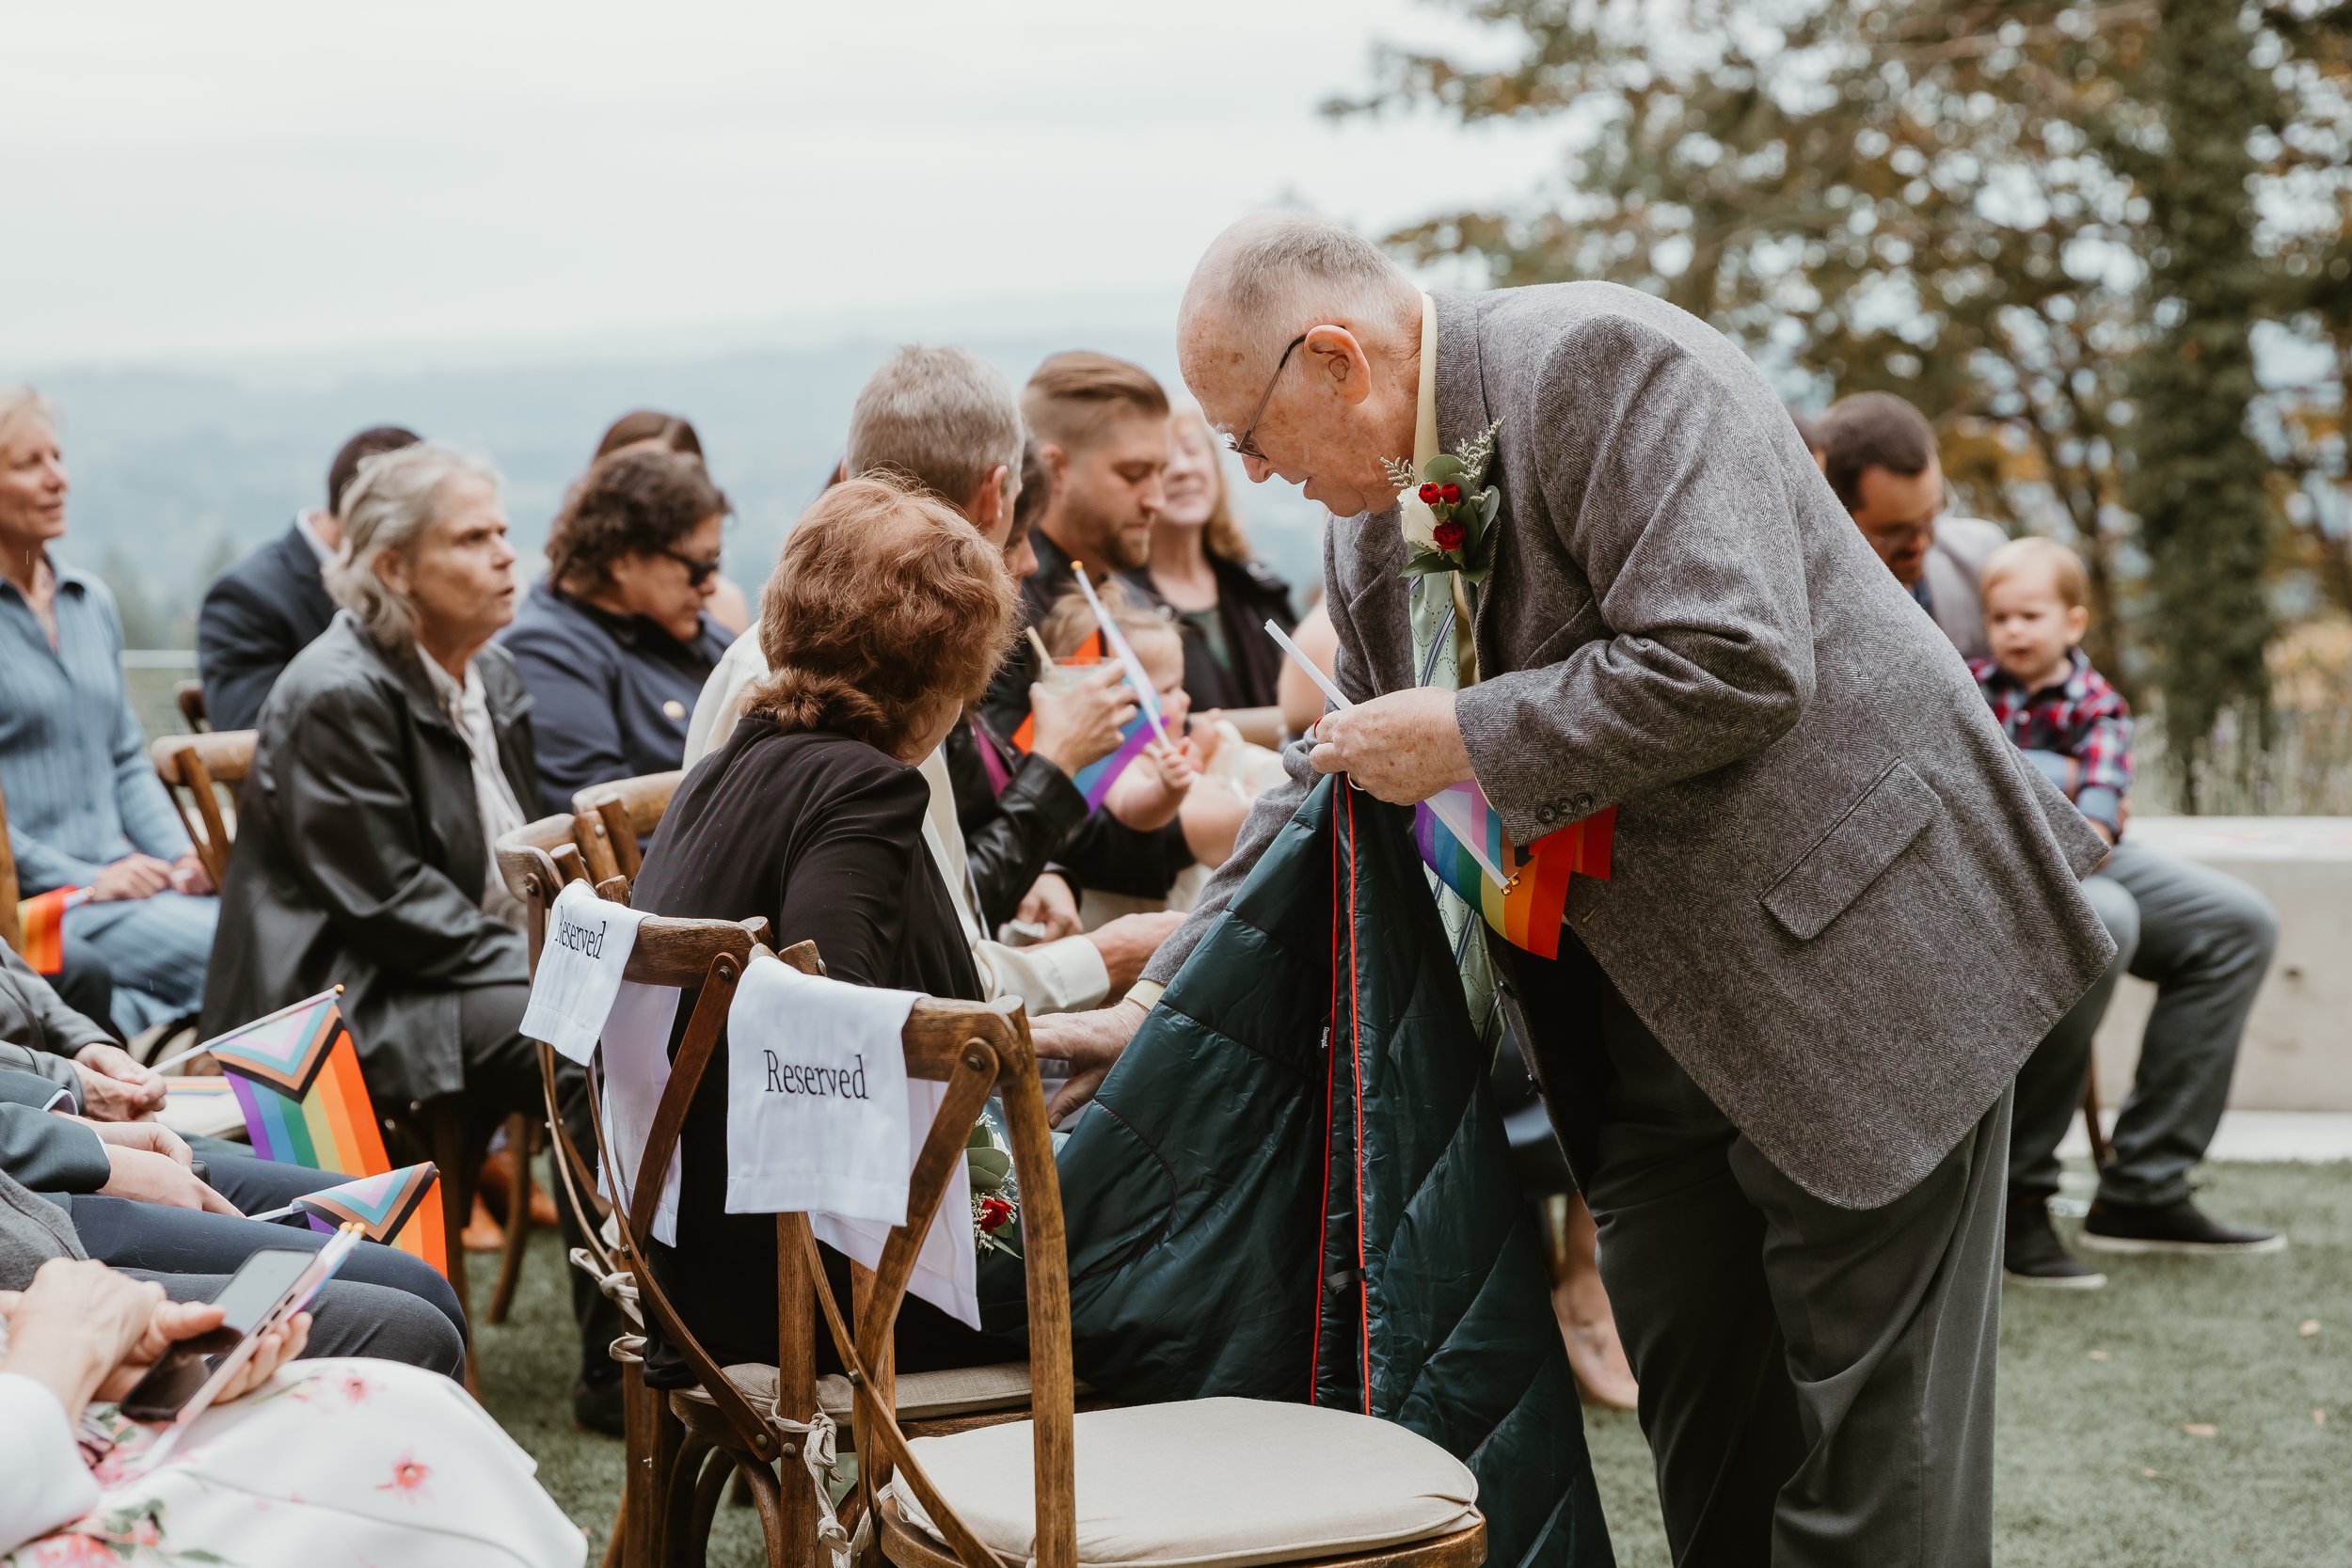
<point x="132" y="878"/>
<point x="151" y="1137"/>
<point x="150" y="1178"/>
<point x="1090" y="1042"/>
<point x="188" y="876"/>
<point x="115" y="1088"/>
<point x="1401" y="747"/>
<point x="1128" y="942"/>
<point x="1051" y="907"/>
<point x="1079" y="722"/>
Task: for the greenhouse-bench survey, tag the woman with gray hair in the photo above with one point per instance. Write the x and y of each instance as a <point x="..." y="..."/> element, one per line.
<point x="391" y="755"/>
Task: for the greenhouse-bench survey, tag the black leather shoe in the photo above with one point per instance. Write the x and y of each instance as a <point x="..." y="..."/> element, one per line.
<point x="2180" y="1227"/>
<point x="2031" y="1253"/>
<point x="596" y="1406"/>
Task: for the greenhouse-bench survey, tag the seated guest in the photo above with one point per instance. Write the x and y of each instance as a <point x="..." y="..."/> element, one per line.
<point x="884" y="618"/>
<point x="650" y="430"/>
<point x="268" y="607"/>
<point x="1203" y="571"/>
<point x="393" y="752"/>
<point x="425" y="1477"/>
<point x="944" y="419"/>
<point x="85" y="806"/>
<point x="2203" y="939"/>
<point x="1879" y="454"/>
<point x="614" y="644"/>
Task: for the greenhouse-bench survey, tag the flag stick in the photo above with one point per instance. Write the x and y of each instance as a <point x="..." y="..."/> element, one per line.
<point x="1308" y="665"/>
<point x="1147" y="696"/>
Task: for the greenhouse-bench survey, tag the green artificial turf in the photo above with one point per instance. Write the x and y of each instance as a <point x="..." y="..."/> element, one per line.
<point x="2095" y="1465"/>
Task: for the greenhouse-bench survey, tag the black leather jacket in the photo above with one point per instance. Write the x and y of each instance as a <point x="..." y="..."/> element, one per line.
<point x="360" y="859"/>
<point x="1008" y="837"/>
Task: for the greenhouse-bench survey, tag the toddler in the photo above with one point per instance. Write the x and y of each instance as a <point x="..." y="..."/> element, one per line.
<point x="1152" y="791"/>
<point x="2058" y="710"/>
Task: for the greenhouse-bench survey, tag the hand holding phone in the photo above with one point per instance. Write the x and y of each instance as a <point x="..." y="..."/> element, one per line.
<point x="266" y="1293"/>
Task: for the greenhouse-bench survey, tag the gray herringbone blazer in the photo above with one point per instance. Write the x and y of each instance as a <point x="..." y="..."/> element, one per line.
<point x="1839" y="897"/>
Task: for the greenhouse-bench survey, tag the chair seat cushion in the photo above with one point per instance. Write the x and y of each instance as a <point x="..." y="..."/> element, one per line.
<point x="1206" y="1483"/>
<point x="922" y="1396"/>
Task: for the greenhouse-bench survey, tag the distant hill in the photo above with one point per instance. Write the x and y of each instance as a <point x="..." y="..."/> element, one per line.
<point x="179" y="471"/>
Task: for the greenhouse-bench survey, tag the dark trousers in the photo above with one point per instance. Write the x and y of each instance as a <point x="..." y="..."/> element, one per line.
<point x="2205" y="940"/>
<point x="1817" y="1382"/>
<point x="382" y="1302"/>
<point x="502" y="1077"/>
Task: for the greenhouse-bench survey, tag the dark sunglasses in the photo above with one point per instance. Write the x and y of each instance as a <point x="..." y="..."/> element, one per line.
<point x="698" y="570"/>
<point x="1246" y="443"/>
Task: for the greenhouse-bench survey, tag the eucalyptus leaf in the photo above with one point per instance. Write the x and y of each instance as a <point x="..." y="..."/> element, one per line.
<point x="1443" y="467"/>
<point x="1426" y="566"/>
<point x="1490" y="503"/>
<point x="988" y="1167"/>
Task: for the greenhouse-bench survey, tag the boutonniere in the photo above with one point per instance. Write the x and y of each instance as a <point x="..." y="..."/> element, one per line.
<point x="995" y="1192"/>
<point x="1462" y="508"/>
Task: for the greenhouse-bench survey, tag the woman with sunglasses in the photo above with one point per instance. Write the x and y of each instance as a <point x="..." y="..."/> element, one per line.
<point x="615" y="642"/>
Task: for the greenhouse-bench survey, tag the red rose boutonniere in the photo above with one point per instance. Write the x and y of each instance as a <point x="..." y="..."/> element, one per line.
<point x="1459" y="533"/>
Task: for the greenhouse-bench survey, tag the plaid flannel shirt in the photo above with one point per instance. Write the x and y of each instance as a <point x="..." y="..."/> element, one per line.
<point x="2079" y="719"/>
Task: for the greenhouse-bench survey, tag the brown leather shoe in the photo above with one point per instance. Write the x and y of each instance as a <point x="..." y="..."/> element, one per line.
<point x="482" y="1232"/>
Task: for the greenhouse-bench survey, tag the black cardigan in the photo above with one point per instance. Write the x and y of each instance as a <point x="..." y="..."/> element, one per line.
<point x="823" y="835"/>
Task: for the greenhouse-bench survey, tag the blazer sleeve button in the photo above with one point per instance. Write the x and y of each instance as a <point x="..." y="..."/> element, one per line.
<point x="1582" y="806"/>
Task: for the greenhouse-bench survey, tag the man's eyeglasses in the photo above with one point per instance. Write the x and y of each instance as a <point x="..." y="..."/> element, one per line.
<point x="699" y="569"/>
<point x="1246" y="443"/>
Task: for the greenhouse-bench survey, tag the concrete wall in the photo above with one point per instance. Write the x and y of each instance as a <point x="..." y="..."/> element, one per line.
<point x="2297" y="1052"/>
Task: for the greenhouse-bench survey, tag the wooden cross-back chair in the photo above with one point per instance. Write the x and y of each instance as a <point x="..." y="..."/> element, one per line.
<point x="610" y="817"/>
<point x="195" y="769"/>
<point x="8" y="932"/>
<point x="190" y="696"/>
<point x="747" y="1419"/>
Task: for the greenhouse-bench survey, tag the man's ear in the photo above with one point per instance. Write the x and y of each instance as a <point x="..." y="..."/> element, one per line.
<point x="1334" y="355"/>
<point x="1055" y="458"/>
<point x="987" y="510"/>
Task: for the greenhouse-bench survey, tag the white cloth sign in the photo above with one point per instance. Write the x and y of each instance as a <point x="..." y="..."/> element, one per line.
<point x="636" y="1071"/>
<point x="824" y="1120"/>
<point x="588" y="943"/>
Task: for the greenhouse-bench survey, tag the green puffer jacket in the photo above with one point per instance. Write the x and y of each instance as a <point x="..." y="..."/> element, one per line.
<point x="1252" y="1213"/>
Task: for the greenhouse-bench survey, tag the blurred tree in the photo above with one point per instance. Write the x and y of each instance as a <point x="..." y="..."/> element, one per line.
<point x="1944" y="199"/>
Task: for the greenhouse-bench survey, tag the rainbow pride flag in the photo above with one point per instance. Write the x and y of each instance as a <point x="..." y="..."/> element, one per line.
<point x="1095" y="779"/>
<point x="1520" y="893"/>
<point x="382" y="1207"/>
<point x="41" y="926"/>
<point x="297" y="1077"/>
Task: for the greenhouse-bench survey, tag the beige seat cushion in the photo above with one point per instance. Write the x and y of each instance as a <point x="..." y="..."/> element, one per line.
<point x="922" y="1396"/>
<point x="1207" y="1484"/>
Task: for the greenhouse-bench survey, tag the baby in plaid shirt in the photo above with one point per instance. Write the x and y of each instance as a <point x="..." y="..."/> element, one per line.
<point x="2059" y="710"/>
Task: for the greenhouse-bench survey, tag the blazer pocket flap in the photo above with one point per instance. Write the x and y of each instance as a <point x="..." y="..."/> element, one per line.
<point x="1851" y="855"/>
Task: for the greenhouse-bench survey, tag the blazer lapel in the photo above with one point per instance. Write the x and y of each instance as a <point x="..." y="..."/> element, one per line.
<point x="1462" y="416"/>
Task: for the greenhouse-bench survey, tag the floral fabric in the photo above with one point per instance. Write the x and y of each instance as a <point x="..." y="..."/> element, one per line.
<point x="334" y="1461"/>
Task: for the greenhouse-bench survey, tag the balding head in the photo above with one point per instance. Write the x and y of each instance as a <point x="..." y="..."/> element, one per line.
<point x="1345" y="398"/>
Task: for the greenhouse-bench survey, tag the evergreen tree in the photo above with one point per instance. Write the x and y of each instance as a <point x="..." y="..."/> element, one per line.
<point x="2198" y="480"/>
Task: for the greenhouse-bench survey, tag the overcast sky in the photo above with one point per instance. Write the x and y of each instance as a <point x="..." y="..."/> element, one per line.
<point x="241" y="179"/>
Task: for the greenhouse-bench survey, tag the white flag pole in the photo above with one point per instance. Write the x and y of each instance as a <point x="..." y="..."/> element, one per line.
<point x="1147" y="695"/>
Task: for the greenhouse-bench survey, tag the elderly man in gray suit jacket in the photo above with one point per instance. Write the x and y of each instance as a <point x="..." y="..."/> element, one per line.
<point x="1842" y="909"/>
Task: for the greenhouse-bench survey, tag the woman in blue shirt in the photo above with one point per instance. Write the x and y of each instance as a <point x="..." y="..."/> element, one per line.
<point x="614" y="643"/>
<point x="84" y="807"/>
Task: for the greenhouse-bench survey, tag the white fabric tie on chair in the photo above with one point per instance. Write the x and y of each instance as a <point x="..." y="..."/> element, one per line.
<point x="824" y="1120"/>
<point x="587" y="948"/>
